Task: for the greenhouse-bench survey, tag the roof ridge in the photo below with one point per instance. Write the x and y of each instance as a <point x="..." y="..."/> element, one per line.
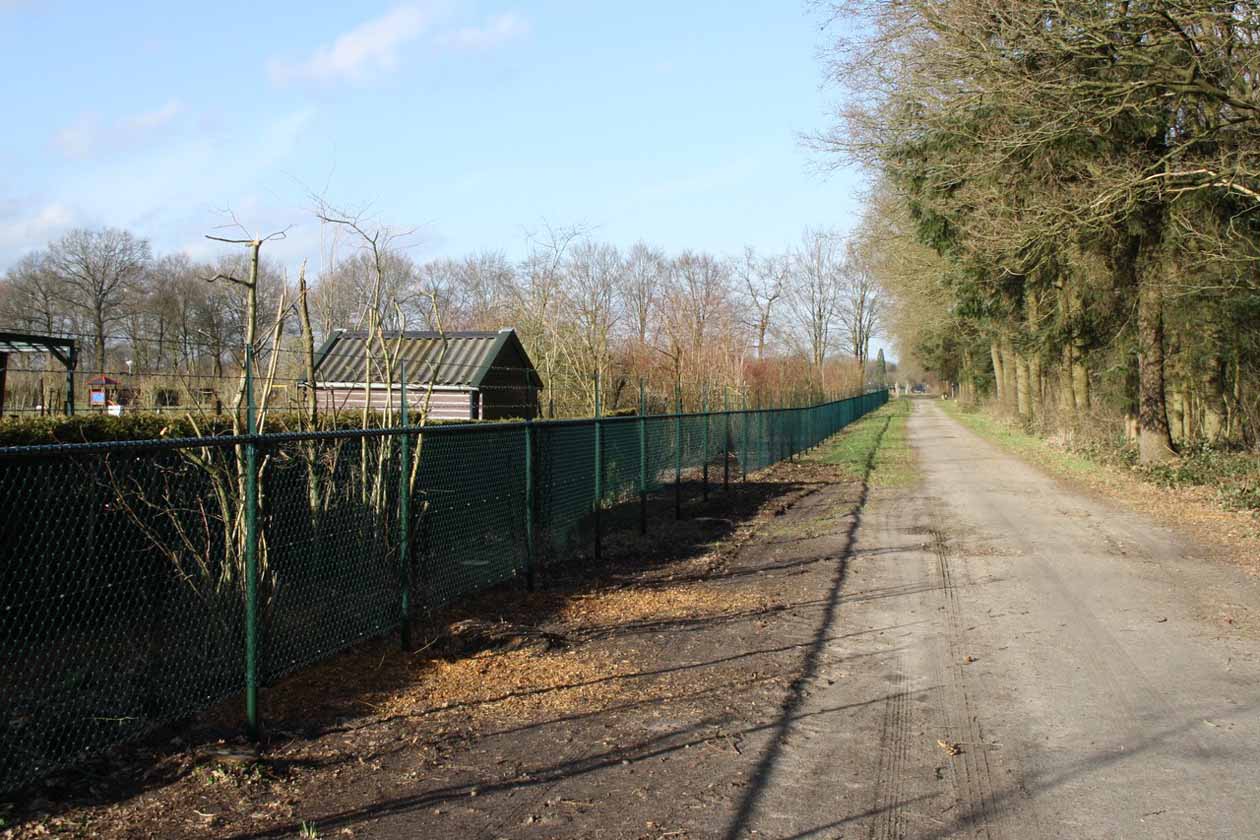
<point x="428" y="333"/>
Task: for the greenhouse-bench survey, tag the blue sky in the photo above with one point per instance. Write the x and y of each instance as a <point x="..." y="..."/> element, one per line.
<point x="474" y="121"/>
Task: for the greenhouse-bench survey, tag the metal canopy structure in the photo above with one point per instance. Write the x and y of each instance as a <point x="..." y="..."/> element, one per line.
<point x="65" y="350"/>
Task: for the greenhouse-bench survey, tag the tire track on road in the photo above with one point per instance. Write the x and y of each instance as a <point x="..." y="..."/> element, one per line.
<point x="973" y="776"/>
<point x="889" y="823"/>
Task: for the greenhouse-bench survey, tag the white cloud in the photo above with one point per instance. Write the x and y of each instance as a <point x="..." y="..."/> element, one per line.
<point x="20" y="233"/>
<point x="497" y="30"/>
<point x="152" y="120"/>
<point x="369" y="50"/>
<point x="89" y="135"/>
<point x="171" y="194"/>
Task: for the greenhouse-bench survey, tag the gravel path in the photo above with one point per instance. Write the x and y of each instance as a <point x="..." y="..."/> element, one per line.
<point x="1034" y="664"/>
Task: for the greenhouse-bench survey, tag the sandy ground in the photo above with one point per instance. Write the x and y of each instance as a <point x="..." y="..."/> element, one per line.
<point x="1049" y="665"/>
<point x="984" y="652"/>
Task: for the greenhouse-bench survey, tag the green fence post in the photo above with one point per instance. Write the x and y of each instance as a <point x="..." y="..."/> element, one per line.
<point x="642" y="459"/>
<point x="790" y="417"/>
<point x="726" y="443"/>
<point x="529" y="504"/>
<point x="704" y="480"/>
<point x="678" y="445"/>
<point x="251" y="552"/>
<point x="599" y="472"/>
<point x="743" y="458"/>
<point x="404" y="513"/>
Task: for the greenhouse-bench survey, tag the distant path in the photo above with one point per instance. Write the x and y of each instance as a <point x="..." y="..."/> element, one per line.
<point x="1096" y="674"/>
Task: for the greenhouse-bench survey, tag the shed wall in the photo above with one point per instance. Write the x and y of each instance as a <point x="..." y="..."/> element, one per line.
<point x="445" y="405"/>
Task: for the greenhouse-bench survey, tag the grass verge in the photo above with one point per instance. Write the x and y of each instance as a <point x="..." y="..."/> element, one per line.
<point x="1029" y="447"/>
<point x="880" y="439"/>
<point x="1208" y="504"/>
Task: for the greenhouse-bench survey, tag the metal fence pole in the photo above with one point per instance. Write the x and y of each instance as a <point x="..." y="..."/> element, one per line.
<point x="642" y="459"/>
<point x="251" y="552"/>
<point x="743" y="459"/>
<point x="529" y="504"/>
<point x="791" y="434"/>
<point x="726" y="444"/>
<point x="704" y="481"/>
<point x="599" y="472"/>
<point x="404" y="513"/>
<point x="678" y="447"/>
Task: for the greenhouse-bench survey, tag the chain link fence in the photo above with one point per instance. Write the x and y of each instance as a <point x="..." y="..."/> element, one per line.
<point x="144" y="581"/>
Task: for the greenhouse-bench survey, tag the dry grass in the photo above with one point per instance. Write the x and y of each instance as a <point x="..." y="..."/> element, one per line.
<point x="620" y="607"/>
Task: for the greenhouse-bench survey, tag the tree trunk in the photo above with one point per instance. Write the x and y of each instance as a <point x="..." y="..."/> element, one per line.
<point x="1079" y="348"/>
<point x="1177" y="416"/>
<point x="1032" y="310"/>
<point x="1023" y="403"/>
<point x="1036" y="403"/>
<point x="1154" y="440"/>
<point x="1010" y="375"/>
<point x="1236" y="406"/>
<point x="999" y="390"/>
<point x="308" y="352"/>
<point x="1213" y="401"/>
<point x="98" y="323"/>
<point x="1080" y="384"/>
<point x="1067" y="399"/>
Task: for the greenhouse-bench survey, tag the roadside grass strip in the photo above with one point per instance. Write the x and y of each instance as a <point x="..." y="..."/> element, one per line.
<point x="881" y="433"/>
<point x="1007" y="435"/>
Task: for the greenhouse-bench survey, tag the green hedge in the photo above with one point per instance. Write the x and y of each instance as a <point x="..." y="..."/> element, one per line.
<point x="94" y="428"/>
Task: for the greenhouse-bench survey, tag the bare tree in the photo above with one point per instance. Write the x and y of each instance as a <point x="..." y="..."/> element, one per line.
<point x="763" y="279"/>
<point x="697" y="309"/>
<point x="861" y="305"/>
<point x="33" y="298"/>
<point x="814" y="292"/>
<point x="99" y="270"/>
<point x="590" y="312"/>
<point x="486" y="282"/>
<point x="644" y="274"/>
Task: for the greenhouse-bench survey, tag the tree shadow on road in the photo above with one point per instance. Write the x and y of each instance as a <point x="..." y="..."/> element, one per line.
<point x="790" y="711"/>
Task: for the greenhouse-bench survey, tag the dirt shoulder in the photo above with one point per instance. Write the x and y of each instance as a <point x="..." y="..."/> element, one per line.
<point x="633" y="700"/>
<point x="1197" y="509"/>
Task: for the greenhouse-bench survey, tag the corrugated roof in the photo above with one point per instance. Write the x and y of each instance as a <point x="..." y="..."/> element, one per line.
<point x="468" y="358"/>
<point x="11" y="342"/>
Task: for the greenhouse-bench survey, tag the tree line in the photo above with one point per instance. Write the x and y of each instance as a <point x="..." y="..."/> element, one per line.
<point x="1066" y="211"/>
<point x="797" y="324"/>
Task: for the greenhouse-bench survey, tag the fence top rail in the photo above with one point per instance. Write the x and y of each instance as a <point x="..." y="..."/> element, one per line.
<point x="92" y="447"/>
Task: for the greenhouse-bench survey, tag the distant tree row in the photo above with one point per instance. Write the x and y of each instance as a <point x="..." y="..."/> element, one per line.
<point x="1067" y="214"/>
<point x="797" y="324"/>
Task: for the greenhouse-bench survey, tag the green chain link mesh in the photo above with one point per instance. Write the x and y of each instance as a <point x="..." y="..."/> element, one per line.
<point x="122" y="593"/>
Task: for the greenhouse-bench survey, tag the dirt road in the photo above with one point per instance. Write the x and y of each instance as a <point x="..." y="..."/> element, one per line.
<point x="1016" y="660"/>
